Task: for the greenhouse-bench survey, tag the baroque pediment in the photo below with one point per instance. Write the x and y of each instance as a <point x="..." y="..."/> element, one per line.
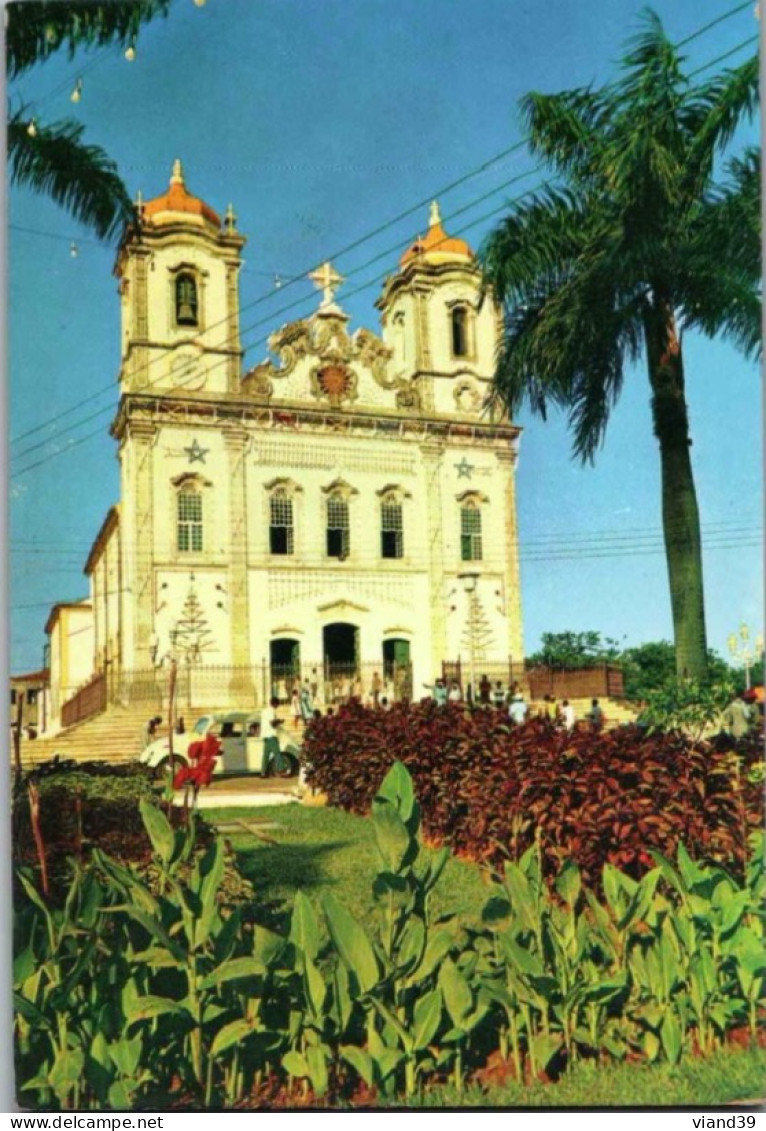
<point x="336" y="363"/>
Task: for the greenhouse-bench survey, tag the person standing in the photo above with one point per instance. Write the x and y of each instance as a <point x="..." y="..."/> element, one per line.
<point x="517" y="711"/>
<point x="307" y="703"/>
<point x="595" y="716"/>
<point x="454" y="695"/>
<point x="377" y="687"/>
<point x="498" y="695"/>
<point x="566" y="715"/>
<point x="737" y="719"/>
<point x="295" y="708"/>
<point x="485" y="690"/>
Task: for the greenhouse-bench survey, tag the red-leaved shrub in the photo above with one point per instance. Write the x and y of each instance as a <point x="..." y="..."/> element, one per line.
<point x="486" y="787"/>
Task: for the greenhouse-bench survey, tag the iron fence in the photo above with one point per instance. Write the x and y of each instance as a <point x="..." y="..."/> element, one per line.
<point x="204" y="686"/>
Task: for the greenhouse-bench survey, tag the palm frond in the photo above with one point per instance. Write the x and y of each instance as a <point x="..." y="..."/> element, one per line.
<point x="81" y="178"/>
<point x="567" y="129"/>
<point x="38" y="29"/>
<point x="535" y="239"/>
<point x="711" y="116"/>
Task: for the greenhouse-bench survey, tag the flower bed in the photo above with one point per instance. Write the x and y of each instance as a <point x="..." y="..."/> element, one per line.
<point x="488" y="788"/>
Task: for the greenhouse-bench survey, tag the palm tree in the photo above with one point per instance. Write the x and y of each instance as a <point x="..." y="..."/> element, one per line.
<point x="634" y="244"/>
<point x="54" y="159"/>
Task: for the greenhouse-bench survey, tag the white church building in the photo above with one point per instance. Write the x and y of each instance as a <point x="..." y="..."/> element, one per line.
<point x="342" y="512"/>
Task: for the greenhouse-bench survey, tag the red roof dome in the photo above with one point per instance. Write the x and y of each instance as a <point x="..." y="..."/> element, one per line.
<point x="436" y="246"/>
<point x="177" y="199"/>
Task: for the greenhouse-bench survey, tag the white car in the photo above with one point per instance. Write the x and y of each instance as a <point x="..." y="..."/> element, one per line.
<point x="251" y="743"/>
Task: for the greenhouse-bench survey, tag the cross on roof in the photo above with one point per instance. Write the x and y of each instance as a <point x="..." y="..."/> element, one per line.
<point x="327" y="280"/>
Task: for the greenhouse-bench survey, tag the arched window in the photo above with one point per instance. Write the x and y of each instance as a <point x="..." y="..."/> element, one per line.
<point x="281" y="525"/>
<point x="460" y="329"/>
<point x="189" y="524"/>
<point x="470" y="532"/>
<point x="400" y="339"/>
<point x="391" y="529"/>
<point x="338" y="527"/>
<point x="186" y="300"/>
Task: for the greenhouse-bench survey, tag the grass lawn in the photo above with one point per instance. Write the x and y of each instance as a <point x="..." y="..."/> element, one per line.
<point x="725" y="1076"/>
<point x="321" y="849"/>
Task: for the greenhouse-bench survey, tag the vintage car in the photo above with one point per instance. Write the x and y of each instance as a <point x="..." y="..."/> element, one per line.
<point x="251" y="743"/>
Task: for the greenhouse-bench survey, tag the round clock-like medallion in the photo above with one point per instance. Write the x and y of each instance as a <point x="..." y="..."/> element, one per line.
<point x="187" y="372"/>
<point x="334" y="381"/>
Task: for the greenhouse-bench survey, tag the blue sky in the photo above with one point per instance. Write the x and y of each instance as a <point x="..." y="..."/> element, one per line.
<point x="321" y="122"/>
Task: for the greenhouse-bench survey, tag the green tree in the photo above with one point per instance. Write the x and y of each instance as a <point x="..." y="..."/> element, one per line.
<point x="651" y="667"/>
<point x="568" y="650"/>
<point x="54" y="159"/>
<point x="634" y="244"/>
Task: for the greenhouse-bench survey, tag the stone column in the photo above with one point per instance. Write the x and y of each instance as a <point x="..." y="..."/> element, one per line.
<point x="506" y="458"/>
<point x="234" y="363"/>
<point x="432" y="452"/>
<point x="142" y="435"/>
<point x="139" y="375"/>
<point x="241" y="686"/>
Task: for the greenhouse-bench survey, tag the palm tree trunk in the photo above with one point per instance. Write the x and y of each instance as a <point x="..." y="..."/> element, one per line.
<point x="680" y="515"/>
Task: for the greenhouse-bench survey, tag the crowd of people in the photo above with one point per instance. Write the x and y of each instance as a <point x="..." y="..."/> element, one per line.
<point x="511" y="699"/>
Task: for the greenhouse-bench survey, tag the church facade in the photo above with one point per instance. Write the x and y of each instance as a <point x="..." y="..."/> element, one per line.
<point x="345" y="509"/>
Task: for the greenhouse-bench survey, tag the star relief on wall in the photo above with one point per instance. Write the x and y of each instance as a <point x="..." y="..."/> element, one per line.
<point x="196" y="453"/>
<point x="464" y="469"/>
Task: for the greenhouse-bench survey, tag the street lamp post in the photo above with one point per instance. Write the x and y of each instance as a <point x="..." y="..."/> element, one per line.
<point x="470" y="581"/>
<point x="743" y="651"/>
<point x="173" y="635"/>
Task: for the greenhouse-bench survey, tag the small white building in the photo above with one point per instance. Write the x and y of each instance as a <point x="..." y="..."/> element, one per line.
<point x="312" y="517"/>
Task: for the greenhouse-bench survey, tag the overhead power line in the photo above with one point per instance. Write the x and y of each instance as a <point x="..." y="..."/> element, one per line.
<point x="301" y="277"/>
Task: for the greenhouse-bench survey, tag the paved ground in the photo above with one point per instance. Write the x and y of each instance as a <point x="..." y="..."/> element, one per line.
<point x="246" y="791"/>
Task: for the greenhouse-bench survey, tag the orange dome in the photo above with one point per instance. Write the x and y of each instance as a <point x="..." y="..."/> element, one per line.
<point x="177" y="199"/>
<point x="436" y="246"/>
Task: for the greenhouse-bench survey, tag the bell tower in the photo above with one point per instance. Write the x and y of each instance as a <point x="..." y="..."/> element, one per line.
<point x="178" y="269"/>
<point x="443" y="337"/>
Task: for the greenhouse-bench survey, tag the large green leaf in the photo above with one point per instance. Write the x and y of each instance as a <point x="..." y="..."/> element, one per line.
<point x="411" y="944"/>
<point x="65" y="1074"/>
<point x="232" y="970"/>
<point x="316" y="988"/>
<point x="397" y="788"/>
<point x="304" y="927"/>
<point x="231" y="1034"/>
<point x="391" y="835"/>
<point x="316" y="1060"/>
<point x="457" y="993"/>
<point x="160" y="833"/>
<point x="125" y="1054"/>
<point x="427" y="1015"/>
<point x="152" y="1005"/>
<point x="361" y="1061"/>
<point x="211" y="871"/>
<point x="351" y="943"/>
<point x="568" y="883"/>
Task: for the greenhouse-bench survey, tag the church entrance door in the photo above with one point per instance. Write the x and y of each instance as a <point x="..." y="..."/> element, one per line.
<point x="396" y="667"/>
<point x="285" y="663"/>
<point x="341" y="659"/>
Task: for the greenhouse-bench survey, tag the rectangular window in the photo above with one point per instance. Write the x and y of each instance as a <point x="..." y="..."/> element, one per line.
<point x="189" y="522"/>
<point x="391" y="531"/>
<point x="338" y="533"/>
<point x="470" y="534"/>
<point x="13" y="696"/>
<point x="281" y="526"/>
<point x="31" y="696"/>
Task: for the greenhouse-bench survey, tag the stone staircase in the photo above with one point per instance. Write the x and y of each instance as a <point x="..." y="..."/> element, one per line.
<point x="617" y="712"/>
<point x="112" y="736"/>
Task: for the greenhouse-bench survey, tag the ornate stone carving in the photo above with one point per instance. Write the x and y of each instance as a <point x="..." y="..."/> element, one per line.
<point x="335" y="383"/>
<point x="408" y="396"/>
